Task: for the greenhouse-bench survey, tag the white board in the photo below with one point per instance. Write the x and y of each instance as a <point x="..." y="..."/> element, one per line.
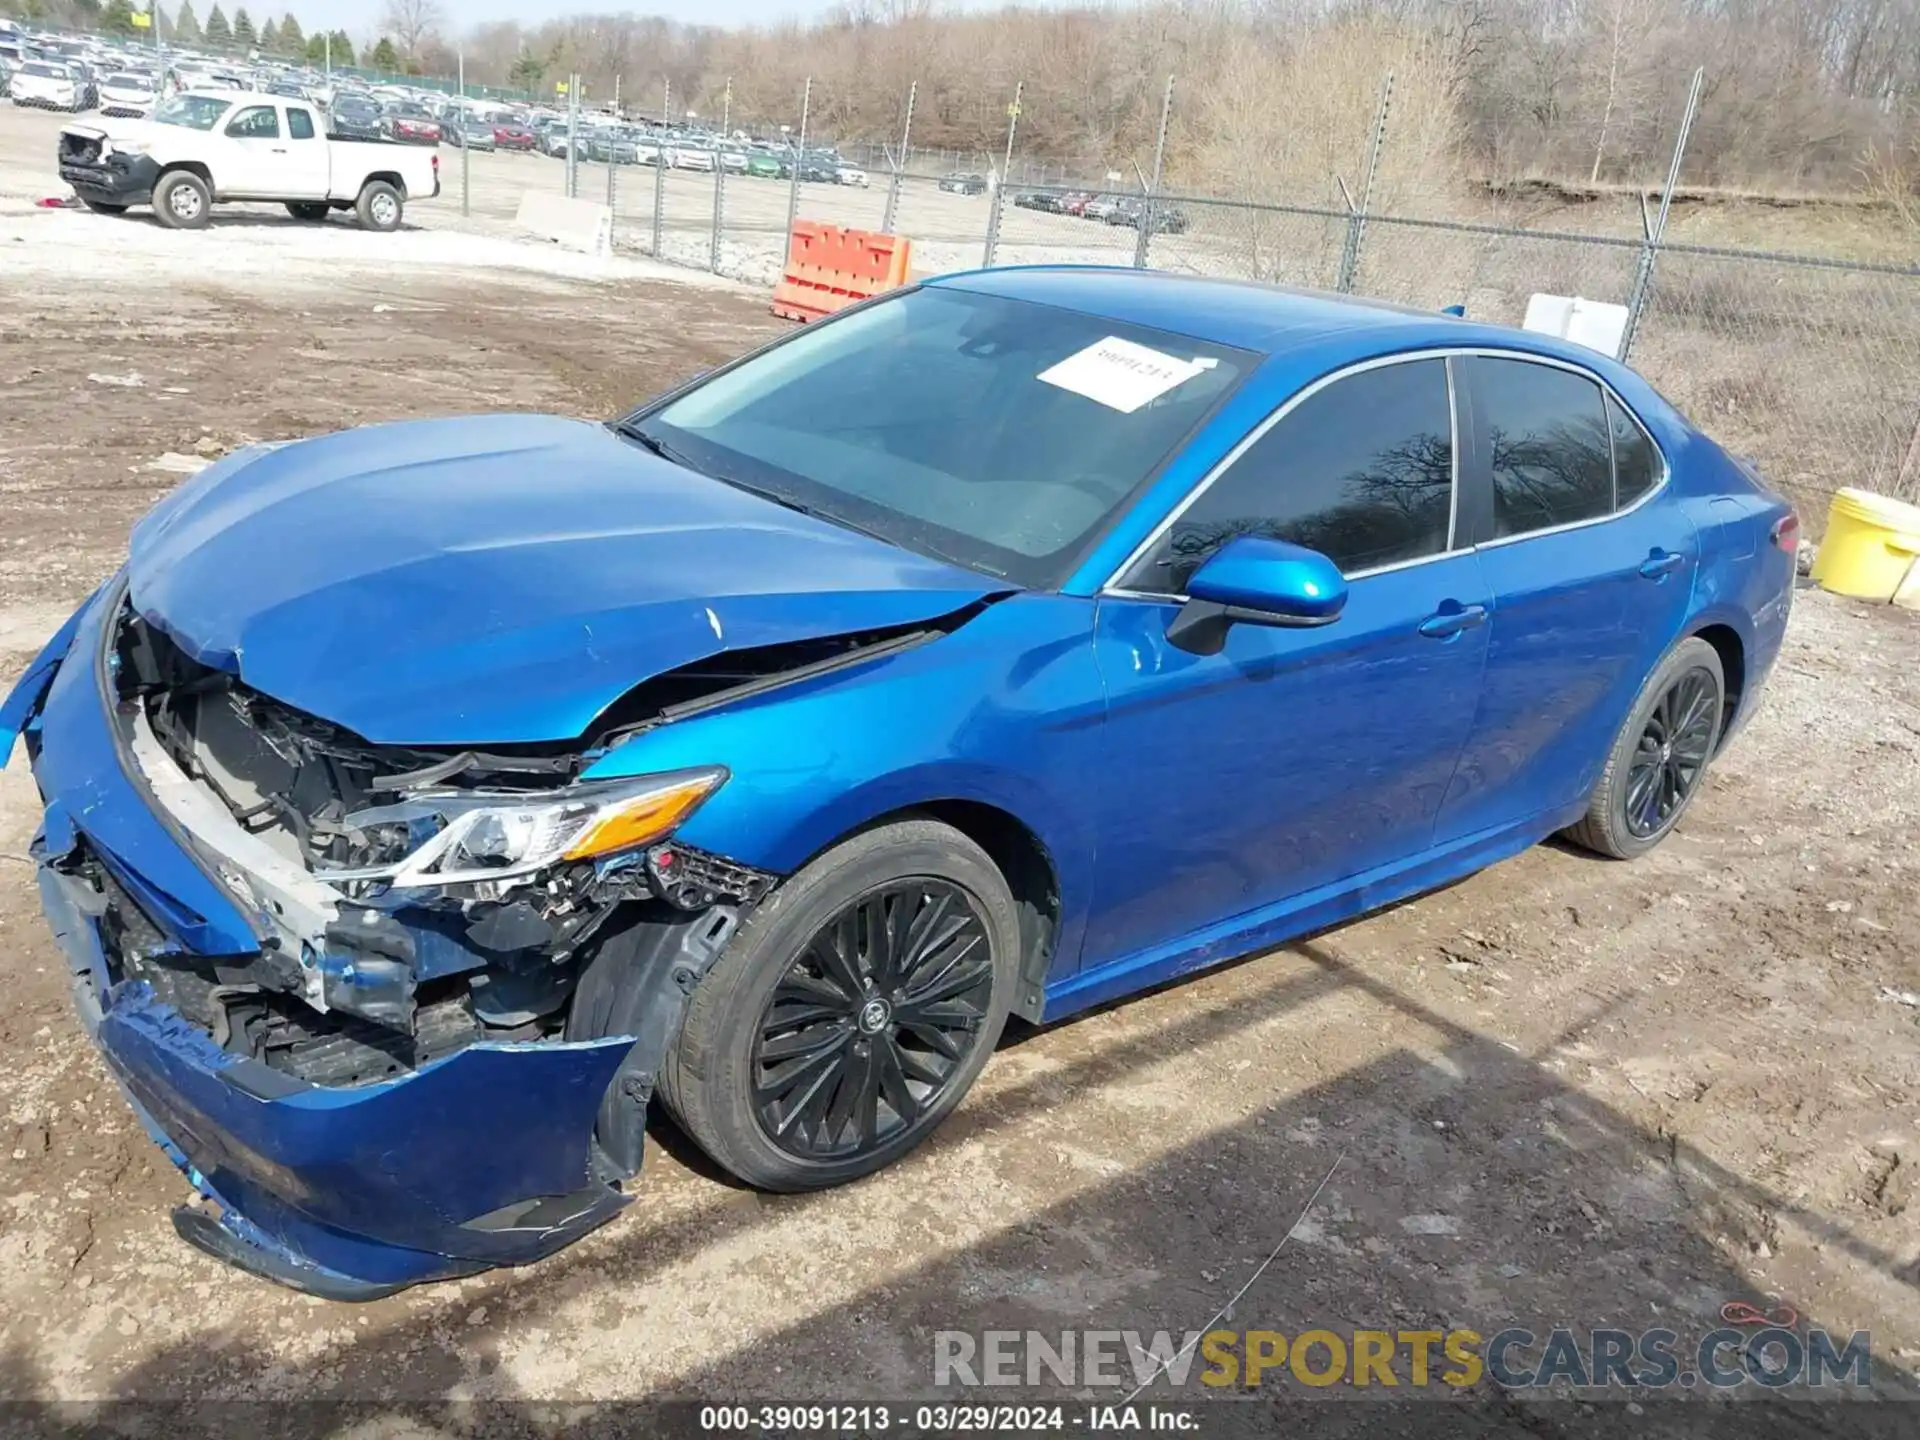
<point x="1596" y="324"/>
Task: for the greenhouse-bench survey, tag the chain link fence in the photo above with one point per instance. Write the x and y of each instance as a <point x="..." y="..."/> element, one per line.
<point x="1808" y="366"/>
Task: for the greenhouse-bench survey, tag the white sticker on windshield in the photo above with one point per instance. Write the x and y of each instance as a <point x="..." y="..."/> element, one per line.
<point x="1120" y="374"/>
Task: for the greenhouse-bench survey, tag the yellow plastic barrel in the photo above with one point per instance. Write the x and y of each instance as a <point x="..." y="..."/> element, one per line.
<point x="1870" y="547"/>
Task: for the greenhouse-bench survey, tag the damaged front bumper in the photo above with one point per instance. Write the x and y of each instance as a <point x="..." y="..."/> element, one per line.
<point x="484" y="1156"/>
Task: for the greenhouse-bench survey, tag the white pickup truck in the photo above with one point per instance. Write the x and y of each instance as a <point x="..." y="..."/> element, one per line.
<point x="206" y="147"/>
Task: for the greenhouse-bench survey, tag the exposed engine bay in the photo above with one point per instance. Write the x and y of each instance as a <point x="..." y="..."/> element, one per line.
<point x="410" y="901"/>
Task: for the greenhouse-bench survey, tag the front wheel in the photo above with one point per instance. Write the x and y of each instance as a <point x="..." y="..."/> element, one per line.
<point x="379" y="206"/>
<point x="182" y="201"/>
<point x="1660" y="755"/>
<point x="852" y="1011"/>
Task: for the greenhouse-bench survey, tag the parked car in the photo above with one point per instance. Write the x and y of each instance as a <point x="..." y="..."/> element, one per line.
<point x="1167" y="219"/>
<point x="733" y="161"/>
<point x="43" y="85"/>
<point x="688" y="156"/>
<point x="1099" y="207"/>
<point x="1037" y="200"/>
<point x="1073" y="202"/>
<point x="205" y="147"/>
<point x="469" y="132"/>
<point x="410" y="124"/>
<point x="356" y="117"/>
<point x="763" y="166"/>
<point x="513" y="135"/>
<point x="850" y="175"/>
<point x="581" y="777"/>
<point x="965" y="184"/>
<point x="126" y="93"/>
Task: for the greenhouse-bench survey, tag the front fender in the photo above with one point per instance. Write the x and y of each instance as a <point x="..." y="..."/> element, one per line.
<point x="1004" y="712"/>
<point x="22" y="704"/>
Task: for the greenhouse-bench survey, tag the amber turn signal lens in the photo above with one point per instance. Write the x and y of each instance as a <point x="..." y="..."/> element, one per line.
<point x="643" y="818"/>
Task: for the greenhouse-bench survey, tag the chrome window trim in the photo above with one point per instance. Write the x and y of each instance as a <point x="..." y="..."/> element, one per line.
<point x="1444" y="353"/>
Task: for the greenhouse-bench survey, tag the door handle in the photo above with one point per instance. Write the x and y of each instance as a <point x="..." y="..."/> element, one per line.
<point x="1660" y="564"/>
<point x="1443" y="624"/>
<point x="279" y="149"/>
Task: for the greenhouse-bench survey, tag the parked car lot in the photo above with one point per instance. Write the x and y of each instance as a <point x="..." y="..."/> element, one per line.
<point x="1470" y="1074"/>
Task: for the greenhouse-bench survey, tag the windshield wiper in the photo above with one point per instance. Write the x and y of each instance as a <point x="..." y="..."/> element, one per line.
<point x="648" y="440"/>
<point x="787" y="502"/>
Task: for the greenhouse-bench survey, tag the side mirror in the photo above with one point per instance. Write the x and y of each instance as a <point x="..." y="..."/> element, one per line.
<point x="1257" y="581"/>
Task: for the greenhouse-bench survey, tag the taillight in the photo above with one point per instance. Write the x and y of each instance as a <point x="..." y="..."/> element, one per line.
<point x="1786" y="533"/>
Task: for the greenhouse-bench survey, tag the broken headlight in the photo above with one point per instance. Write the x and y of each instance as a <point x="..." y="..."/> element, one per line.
<point x="461" y="837"/>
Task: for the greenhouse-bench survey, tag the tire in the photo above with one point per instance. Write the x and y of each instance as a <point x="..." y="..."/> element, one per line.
<point x="1672" y="732"/>
<point x="309" y="209"/>
<point x="101" y="207"/>
<point x="181" y="201"/>
<point x="708" y="1081"/>
<point x="379" y="207"/>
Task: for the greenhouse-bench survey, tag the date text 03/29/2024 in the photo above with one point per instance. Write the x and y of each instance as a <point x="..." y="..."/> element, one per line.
<point x="946" y="1418"/>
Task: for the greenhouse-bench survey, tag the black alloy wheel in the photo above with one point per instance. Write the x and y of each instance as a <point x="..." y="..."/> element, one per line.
<point x="1653" y="766"/>
<point x="873" y="1021"/>
<point x="1671" y="754"/>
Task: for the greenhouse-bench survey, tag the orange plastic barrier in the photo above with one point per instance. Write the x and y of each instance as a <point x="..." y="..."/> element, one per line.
<point x="829" y="269"/>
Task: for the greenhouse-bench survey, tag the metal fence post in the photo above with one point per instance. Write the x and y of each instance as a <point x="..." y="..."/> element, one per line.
<point x="660" y="163"/>
<point x="893" y="185"/>
<point x="1357" y="214"/>
<point x="720" y="175"/>
<point x="1006" y="169"/>
<point x="1650" y="249"/>
<point x="1148" y="211"/>
<point x="466" y="179"/>
<point x="573" y="137"/>
<point x="610" y="159"/>
<point x="799" y="157"/>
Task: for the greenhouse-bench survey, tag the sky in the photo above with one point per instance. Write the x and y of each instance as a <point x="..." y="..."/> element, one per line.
<point x="363" y="16"/>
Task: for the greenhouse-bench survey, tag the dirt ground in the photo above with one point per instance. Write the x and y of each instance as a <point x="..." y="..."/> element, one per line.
<point x="1565" y="1091"/>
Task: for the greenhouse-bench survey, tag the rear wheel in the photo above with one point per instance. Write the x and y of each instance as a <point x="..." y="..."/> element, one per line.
<point x="101" y="207"/>
<point x="182" y="201"/>
<point x="379" y="206"/>
<point x="852" y="1011"/>
<point x="1660" y="755"/>
<point x="309" y="209"/>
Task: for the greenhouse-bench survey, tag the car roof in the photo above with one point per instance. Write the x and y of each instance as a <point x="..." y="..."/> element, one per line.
<point x="1267" y="319"/>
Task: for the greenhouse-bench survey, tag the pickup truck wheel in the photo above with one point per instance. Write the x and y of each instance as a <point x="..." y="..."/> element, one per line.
<point x="309" y="209"/>
<point x="851" y="1011"/>
<point x="181" y="201"/>
<point x="379" y="206"/>
<point x="100" y="207"/>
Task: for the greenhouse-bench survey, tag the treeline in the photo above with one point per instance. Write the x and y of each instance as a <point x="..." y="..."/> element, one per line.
<point x="1271" y="97"/>
<point x="1800" y="94"/>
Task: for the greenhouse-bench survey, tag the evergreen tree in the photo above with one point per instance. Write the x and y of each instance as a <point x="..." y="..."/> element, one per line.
<point x="269" y="36"/>
<point x="243" y="28"/>
<point x="384" y="56"/>
<point x="86" y="13"/>
<point x="117" y="18"/>
<point x="292" y="42"/>
<point x="218" y="32"/>
<point x="343" y="49"/>
<point x="186" y="25"/>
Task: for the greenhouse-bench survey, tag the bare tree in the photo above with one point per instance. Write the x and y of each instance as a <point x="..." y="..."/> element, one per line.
<point x="410" y="22"/>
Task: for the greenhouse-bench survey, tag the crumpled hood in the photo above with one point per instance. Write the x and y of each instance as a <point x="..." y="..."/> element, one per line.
<point x="497" y="579"/>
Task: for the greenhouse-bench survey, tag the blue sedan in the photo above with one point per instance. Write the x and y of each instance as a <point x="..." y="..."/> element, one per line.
<point x="423" y="801"/>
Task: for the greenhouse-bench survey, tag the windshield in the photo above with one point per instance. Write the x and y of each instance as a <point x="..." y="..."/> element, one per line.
<point x="51" y="72"/>
<point x="355" y="108"/>
<point x="196" y="112"/>
<point x="128" y="82"/>
<point x="998" y="434"/>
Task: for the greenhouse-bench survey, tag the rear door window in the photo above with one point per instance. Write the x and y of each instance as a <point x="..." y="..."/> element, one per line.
<point x="299" y="123"/>
<point x="1550" y="450"/>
